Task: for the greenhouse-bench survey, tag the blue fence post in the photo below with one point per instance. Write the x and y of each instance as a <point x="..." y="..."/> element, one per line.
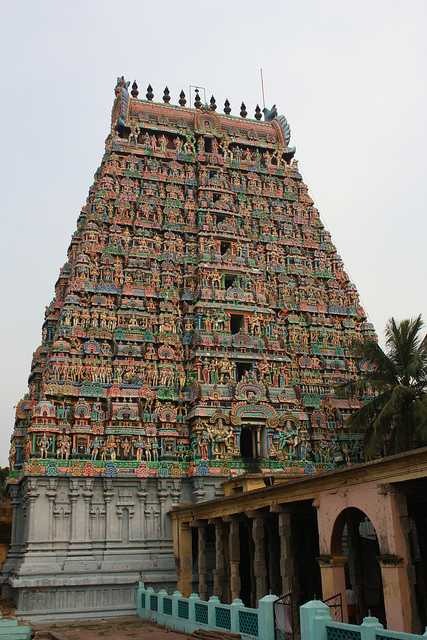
<point x="235" y="607"/>
<point x="160" y="618"/>
<point x="369" y="627"/>
<point x="148" y="593"/>
<point x="212" y="603"/>
<point x="175" y="597"/>
<point x="314" y="616"/>
<point x="194" y="597"/>
<point x="266" y="617"/>
<point x="139" y="591"/>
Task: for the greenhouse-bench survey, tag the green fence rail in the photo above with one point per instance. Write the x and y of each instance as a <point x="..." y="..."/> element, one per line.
<point x="188" y="614"/>
<point x="317" y="624"/>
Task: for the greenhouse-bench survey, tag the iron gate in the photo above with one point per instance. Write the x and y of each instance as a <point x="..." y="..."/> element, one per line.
<point x="284" y="617"/>
<point x="335" y="606"/>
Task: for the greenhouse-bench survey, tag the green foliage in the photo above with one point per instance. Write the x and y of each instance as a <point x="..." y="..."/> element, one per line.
<point x="394" y="415"/>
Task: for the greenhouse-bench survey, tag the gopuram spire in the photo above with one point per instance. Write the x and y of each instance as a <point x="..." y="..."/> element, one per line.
<point x="199" y="328"/>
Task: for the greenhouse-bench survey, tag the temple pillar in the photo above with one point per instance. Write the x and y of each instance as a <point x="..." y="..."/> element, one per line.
<point x="219" y="571"/>
<point x="397" y="593"/>
<point x="234" y="558"/>
<point x="185" y="559"/>
<point x="332" y="571"/>
<point x="202" y="573"/>
<point x="287" y="561"/>
<point x="260" y="566"/>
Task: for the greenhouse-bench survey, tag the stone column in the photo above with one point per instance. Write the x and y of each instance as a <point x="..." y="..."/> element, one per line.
<point x="200" y="525"/>
<point x="185" y="559"/>
<point x="234" y="556"/>
<point x="219" y="572"/>
<point x="396" y="593"/>
<point x="260" y="567"/>
<point x="333" y="579"/>
<point x="287" y="561"/>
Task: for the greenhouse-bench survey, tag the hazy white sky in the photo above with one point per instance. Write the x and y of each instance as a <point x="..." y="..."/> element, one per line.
<point x="349" y="76"/>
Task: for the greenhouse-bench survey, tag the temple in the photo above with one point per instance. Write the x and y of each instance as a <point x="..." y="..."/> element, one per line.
<point x="199" y="329"/>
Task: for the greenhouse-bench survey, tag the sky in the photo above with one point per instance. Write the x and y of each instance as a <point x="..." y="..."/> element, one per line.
<point x="349" y="76"/>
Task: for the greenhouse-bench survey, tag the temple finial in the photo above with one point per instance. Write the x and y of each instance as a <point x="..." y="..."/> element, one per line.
<point x="258" y="113"/>
<point x="182" y="100"/>
<point x="134" y="93"/>
<point x="197" y="101"/>
<point x="149" y="95"/>
<point x="243" y="111"/>
<point x="166" y="95"/>
<point x="212" y="104"/>
<point x="227" y="108"/>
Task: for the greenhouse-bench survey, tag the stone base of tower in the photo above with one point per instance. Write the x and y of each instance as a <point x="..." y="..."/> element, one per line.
<point x="80" y="545"/>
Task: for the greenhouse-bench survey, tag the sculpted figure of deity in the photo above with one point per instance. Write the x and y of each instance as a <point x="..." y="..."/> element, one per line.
<point x="203" y="444"/>
<point x="12" y="456"/>
<point x="96" y="445"/>
<point x="126" y="448"/>
<point x="44" y="443"/>
<point x="112" y="447"/>
<point x="63" y="446"/>
<point x="28" y="448"/>
<point x="139" y="446"/>
<point x="155" y="450"/>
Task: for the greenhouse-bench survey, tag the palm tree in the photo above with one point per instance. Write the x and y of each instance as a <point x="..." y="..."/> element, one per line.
<point x="394" y="384"/>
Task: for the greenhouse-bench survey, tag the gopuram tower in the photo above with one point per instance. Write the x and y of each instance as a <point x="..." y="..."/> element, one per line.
<point x="199" y="328"/>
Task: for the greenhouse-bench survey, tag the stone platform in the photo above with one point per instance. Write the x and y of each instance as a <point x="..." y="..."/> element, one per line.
<point x="80" y="545"/>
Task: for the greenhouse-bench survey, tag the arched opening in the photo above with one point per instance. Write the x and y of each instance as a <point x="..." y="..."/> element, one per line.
<point x="354" y="537"/>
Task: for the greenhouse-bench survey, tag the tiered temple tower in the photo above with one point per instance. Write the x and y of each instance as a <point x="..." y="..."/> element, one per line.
<point x="198" y="330"/>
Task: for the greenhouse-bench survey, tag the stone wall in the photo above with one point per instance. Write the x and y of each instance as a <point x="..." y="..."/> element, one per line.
<point x="80" y="545"/>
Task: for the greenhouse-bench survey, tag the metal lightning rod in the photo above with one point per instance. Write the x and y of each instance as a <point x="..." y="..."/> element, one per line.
<point x="262" y="88"/>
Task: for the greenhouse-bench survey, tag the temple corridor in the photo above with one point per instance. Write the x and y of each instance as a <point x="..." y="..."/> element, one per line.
<point x="355" y="537"/>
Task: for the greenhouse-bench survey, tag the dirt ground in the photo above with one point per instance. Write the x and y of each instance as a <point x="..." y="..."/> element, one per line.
<point x="114" y="629"/>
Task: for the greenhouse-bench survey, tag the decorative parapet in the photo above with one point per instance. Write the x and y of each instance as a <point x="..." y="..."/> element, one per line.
<point x="188" y="614"/>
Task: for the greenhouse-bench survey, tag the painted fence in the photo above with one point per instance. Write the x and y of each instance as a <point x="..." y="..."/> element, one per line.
<point x="317" y="624"/>
<point x="10" y="629"/>
<point x="188" y="614"/>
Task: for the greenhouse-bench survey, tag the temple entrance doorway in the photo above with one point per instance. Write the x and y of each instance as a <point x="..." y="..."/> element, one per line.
<point x="252" y="436"/>
<point x="355" y="538"/>
<point x="247" y="448"/>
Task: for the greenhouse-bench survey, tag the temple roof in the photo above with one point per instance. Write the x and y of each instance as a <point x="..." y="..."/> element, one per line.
<point x="127" y="108"/>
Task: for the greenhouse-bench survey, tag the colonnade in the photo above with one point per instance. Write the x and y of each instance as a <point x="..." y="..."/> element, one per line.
<point x="219" y="554"/>
<point x="299" y="547"/>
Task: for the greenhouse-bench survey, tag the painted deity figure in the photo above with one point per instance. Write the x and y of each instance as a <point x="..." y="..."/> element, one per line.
<point x="44" y="443"/>
<point x="63" y="447"/>
<point x="139" y="446"/>
<point x="96" y="446"/>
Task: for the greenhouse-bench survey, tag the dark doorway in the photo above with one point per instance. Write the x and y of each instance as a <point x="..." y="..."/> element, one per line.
<point x="247" y="580"/>
<point x="247" y="444"/>
<point x="229" y="281"/>
<point x="305" y="536"/>
<point x="225" y="246"/>
<point x="208" y="145"/>
<point x="416" y="494"/>
<point x="241" y="368"/>
<point x="236" y="323"/>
